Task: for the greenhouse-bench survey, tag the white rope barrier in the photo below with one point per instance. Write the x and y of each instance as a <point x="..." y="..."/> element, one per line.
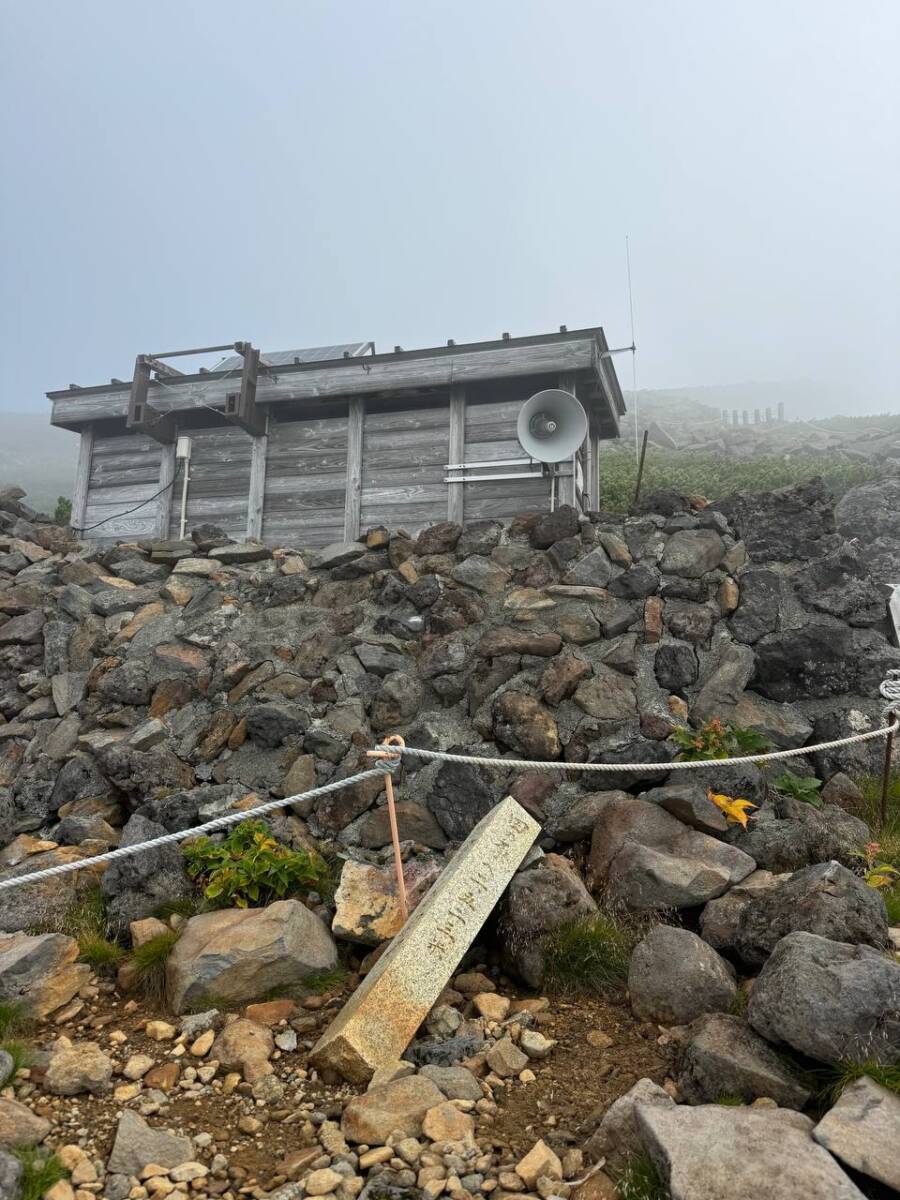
<point x="385" y="767"/>
<point x="683" y="765"/>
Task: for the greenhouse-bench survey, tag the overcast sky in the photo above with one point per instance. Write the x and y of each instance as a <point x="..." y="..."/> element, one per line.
<point x="300" y="172"/>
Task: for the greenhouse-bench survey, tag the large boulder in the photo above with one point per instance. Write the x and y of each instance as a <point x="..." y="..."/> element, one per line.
<point x="526" y="726"/>
<point x="238" y="955"/>
<point x="826" y="899"/>
<point x="863" y="1131"/>
<point x="39" y="973"/>
<point x="537" y="902"/>
<point x="135" y="886"/>
<point x="870" y="514"/>
<point x="795" y="522"/>
<point x="617" y="1138"/>
<point x="674" y="977"/>
<point x="829" y="1000"/>
<point x="692" y="552"/>
<point x="788" y="834"/>
<point x="722" y="1056"/>
<point x="720" y="1153"/>
<point x="367" y="906"/>
<point x="461" y="795"/>
<point x="648" y="859"/>
<point x="720" y="919"/>
<point x="823" y="658"/>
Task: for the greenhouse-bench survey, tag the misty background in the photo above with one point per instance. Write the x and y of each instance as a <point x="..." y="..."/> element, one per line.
<point x="299" y="172"/>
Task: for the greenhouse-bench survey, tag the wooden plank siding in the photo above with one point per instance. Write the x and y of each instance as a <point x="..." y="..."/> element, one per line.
<point x="404" y="456"/>
<point x="491" y="437"/>
<point x="306" y="476"/>
<point x="219" y="481"/>
<point x="124" y="471"/>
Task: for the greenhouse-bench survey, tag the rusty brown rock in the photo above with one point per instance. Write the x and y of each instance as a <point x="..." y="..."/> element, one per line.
<point x="561" y="677"/>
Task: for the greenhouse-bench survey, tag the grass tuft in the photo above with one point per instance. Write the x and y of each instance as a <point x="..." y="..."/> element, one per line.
<point x="19" y="1052"/>
<point x="13" y="1020"/>
<point x="98" y="951"/>
<point x="729" y="1101"/>
<point x="830" y="1081"/>
<point x="182" y="906"/>
<point x="149" y="962"/>
<point x="591" y="956"/>
<point x="869" y="810"/>
<point x="739" y="1001"/>
<point x="640" y="1180"/>
<point x="326" y="981"/>
<point x="38" y="1173"/>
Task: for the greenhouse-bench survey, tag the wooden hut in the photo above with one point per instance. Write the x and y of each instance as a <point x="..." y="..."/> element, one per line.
<point x="309" y="447"/>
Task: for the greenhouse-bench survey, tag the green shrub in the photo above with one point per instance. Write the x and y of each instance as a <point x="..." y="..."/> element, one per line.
<point x="729" y="1101"/>
<point x="591" y="955"/>
<point x="640" y="1180"/>
<point x="801" y="787"/>
<point x="251" y="867"/>
<point x="39" y="1172"/>
<point x="715" y="739"/>
<point x="891" y="898"/>
<point x="63" y="513"/>
<point x="694" y="473"/>
<point x="739" y="1002"/>
<point x="149" y="962"/>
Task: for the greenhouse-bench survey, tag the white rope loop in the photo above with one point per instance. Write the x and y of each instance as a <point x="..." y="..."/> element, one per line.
<point x="684" y="765"/>
<point x="384" y="768"/>
<point x="890" y="690"/>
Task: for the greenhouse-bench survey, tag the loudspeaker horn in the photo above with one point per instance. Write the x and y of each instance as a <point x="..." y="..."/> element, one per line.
<point x="552" y="425"/>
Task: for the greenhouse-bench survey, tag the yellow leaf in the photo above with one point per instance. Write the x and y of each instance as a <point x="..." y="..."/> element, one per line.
<point x="734" y="809"/>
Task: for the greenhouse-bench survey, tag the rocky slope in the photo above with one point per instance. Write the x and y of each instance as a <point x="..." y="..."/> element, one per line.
<point x="147" y="687"/>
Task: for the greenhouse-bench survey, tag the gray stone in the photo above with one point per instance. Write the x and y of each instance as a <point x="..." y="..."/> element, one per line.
<point x="22" y="631"/>
<point x="826" y="899"/>
<point x="138" y="884"/>
<point x="722" y="1153"/>
<point x="337" y="554"/>
<point x="870" y="513"/>
<point x="537" y="902"/>
<point x="455" y="1082"/>
<point x="823" y="658"/>
<point x="690" y="804"/>
<point x="81" y="1067"/>
<point x="238" y="955"/>
<point x="692" y="552"/>
<point x="725" y="685"/>
<point x="372" y="1117"/>
<point x="572" y="818"/>
<point x="674" y="977"/>
<point x="137" y="1145"/>
<point x="675" y="665"/>
<point x="237" y="553"/>
<point x="760" y="605"/>
<point x="7" y="1068"/>
<point x="722" y="1056"/>
<point x="19" y="1126"/>
<point x="781" y="724"/>
<point x="480" y="574"/>
<point x="789" y="834"/>
<point x="525" y="725"/>
<point x="111" y="600"/>
<point x="863" y="1131"/>
<point x="829" y="1000"/>
<point x="39" y="972"/>
<point x="649" y="859"/>
<point x="415" y="823"/>
<point x="720" y="918"/>
<point x="68" y="690"/>
<point x="381" y="660"/>
<point x="607" y="696"/>
<point x="11" y="1171"/>
<point x="461" y="795"/>
<point x="617" y="1138"/>
<point x="594" y="570"/>
<point x="795" y="522"/>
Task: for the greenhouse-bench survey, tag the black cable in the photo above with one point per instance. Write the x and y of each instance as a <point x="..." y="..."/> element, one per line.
<point x="128" y="511"/>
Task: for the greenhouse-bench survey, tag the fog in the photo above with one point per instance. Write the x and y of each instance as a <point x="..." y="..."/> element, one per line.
<point x="296" y="172"/>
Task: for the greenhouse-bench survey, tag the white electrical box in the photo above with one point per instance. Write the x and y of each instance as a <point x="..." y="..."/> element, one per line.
<point x="183" y="448"/>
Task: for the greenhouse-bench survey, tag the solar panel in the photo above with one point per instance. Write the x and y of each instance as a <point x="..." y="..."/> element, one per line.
<point x="281" y="358"/>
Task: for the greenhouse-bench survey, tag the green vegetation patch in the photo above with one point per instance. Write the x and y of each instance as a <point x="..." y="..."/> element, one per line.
<point x="251" y="868"/>
<point x="591" y="955"/>
<point x="39" y="1172"/>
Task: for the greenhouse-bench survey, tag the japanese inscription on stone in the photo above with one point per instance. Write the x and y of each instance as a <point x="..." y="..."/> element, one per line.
<point x="378" y="1022"/>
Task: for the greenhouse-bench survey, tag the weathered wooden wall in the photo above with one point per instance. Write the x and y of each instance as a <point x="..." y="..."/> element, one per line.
<point x="404" y="456"/>
<point x="219" y="481"/>
<point x="306" y="470"/>
<point x="324" y="476"/>
<point x="491" y="436"/>
<point x="124" y="471"/>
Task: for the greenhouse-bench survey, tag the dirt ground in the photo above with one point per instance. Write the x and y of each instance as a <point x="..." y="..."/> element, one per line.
<point x="571" y="1089"/>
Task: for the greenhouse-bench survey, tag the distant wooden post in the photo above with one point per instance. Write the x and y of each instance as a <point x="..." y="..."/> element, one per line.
<point x="82" y="477"/>
<point x="257" y="492"/>
<point x="167" y="468"/>
<point x="566" y="489"/>
<point x="457" y="452"/>
<point x="353" y="498"/>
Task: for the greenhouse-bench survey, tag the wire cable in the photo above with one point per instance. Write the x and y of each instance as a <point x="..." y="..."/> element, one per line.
<point x="128" y="511"/>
